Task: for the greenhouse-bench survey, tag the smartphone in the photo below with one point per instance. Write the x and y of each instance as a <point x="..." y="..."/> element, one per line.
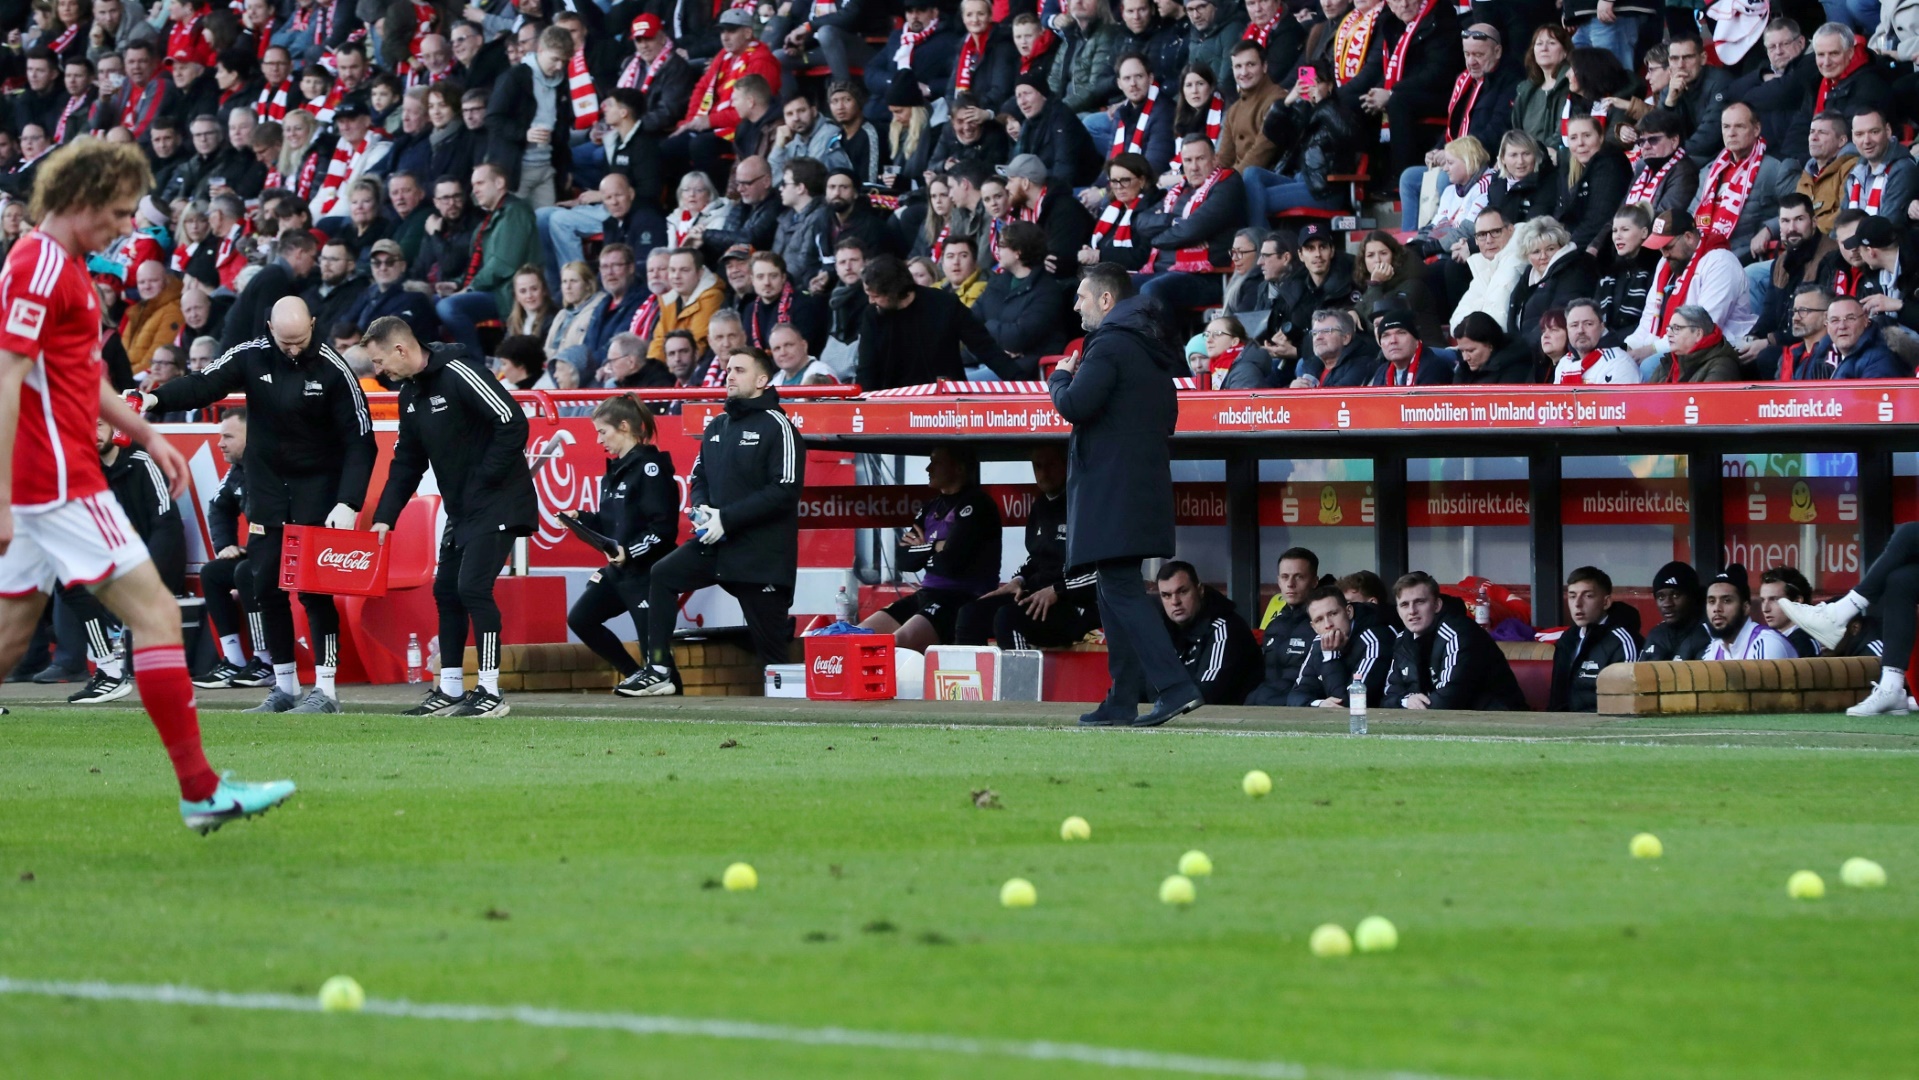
<point x="1308" y="78"/>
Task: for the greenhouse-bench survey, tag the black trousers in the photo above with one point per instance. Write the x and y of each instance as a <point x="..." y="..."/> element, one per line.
<point x="463" y="591"/>
<point x="611" y="593"/>
<point x="1008" y="624"/>
<point x="1139" y="653"/>
<point x="768" y="608"/>
<point x="276" y="610"/>
<point x="221" y="579"/>
<point x="1892" y="584"/>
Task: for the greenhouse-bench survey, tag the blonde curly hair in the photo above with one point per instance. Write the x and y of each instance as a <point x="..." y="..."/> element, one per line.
<point x="88" y="173"/>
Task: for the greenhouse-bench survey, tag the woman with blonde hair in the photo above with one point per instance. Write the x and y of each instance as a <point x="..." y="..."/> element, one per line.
<point x="532" y="305"/>
<point x="579" y="295"/>
<point x="1465" y="180"/>
<point x="300" y="167"/>
<point x="908" y="148"/>
<point x="1559" y="272"/>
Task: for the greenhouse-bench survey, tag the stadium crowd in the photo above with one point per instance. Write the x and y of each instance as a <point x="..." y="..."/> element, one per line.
<point x="590" y="195"/>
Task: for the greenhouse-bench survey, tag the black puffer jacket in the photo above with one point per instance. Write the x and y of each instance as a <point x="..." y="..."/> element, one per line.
<point x="1525" y="198"/>
<point x="1289" y="638"/>
<point x="639" y="506"/>
<point x="457" y="418"/>
<point x="751" y="468"/>
<point x="1323" y="139"/>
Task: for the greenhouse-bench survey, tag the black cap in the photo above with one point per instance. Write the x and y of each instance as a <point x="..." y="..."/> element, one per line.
<point x="1035" y="80"/>
<point x="1676" y="575"/>
<point x="1735" y="575"/>
<point x="1316" y="233"/>
<point x="905" y="94"/>
<point x="1874" y="232"/>
<point x="1398" y="319"/>
<point x="351" y="110"/>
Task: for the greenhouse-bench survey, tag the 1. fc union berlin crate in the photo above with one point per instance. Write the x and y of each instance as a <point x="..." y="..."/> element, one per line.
<point x="343" y="562"/>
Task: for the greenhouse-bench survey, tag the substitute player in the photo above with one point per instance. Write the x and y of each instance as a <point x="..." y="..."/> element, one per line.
<point x="311" y="458"/>
<point x="457" y="418"/>
<point x="230" y="572"/>
<point x="58" y="519"/>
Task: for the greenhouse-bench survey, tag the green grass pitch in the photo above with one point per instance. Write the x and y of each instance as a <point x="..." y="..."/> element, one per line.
<point x="574" y="866"/>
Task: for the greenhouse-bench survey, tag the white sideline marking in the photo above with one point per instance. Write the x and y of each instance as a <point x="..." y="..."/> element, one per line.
<point x="640" y="1024"/>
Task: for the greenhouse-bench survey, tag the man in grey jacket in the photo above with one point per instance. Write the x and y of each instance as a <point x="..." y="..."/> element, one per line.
<point x="800" y="239"/>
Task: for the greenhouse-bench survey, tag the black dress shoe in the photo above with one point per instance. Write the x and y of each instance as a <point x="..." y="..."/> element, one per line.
<point x="1107" y="715"/>
<point x="1172" y="705"/>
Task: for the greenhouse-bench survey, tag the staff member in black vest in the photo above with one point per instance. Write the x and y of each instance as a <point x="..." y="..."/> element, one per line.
<point x="745" y="493"/>
<point x="457" y="418"/>
<point x="1118" y="395"/>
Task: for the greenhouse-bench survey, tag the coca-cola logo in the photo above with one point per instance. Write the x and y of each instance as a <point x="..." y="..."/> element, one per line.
<point x="346" y="560"/>
<point x="828" y="665"/>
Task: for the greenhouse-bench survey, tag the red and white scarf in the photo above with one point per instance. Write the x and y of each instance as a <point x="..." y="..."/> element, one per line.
<point x="1870" y="195"/>
<point x="337" y="171"/>
<point x="272" y="102"/>
<point x="1597" y="111"/>
<point x="1261" y="33"/>
<point x="262" y="40"/>
<point x="679" y="225"/>
<point x="646" y="318"/>
<point x="58" y="45"/>
<point x="1042" y="45"/>
<point x="304" y="186"/>
<point x="323" y="110"/>
<point x="1219" y="365"/>
<point x="909" y="39"/>
<point x="1350" y="42"/>
<point x="579" y="82"/>
<point x="631" y="76"/>
<point x="1681" y="290"/>
<point x="1452" y="105"/>
<point x="228" y="261"/>
<point x="1724" y="190"/>
<point x="1586" y="362"/>
<point x="1396" y="57"/>
<point x="782" y="313"/>
<point x="426" y="20"/>
<point x="1213" y="112"/>
<point x="1646" y="184"/>
<point x="972" y="50"/>
<point x="74" y="104"/>
<point x="1197" y="259"/>
<point x="1130" y="143"/>
<point x="178" y="264"/>
<point x="141" y="108"/>
<point x="319" y="16"/>
<point x="1391" y="375"/>
<point x="1116" y="222"/>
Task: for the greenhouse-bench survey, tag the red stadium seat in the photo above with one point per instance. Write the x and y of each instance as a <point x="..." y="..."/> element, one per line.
<point x="377" y="626"/>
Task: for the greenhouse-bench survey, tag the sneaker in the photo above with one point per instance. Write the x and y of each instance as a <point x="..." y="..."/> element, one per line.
<point x="1883" y="701"/>
<point x="647" y="682"/>
<point x="481" y="702"/>
<point x="218" y="677"/>
<point x="101" y="689"/>
<point x="436" y="703"/>
<point x="1818" y="620"/>
<point x="234" y="799"/>
<point x="257" y="675"/>
<point x="317" y="701"/>
<point x="278" y="701"/>
<point x="54" y="673"/>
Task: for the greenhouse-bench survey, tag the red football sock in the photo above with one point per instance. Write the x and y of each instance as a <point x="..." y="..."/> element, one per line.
<point x="167" y="692"/>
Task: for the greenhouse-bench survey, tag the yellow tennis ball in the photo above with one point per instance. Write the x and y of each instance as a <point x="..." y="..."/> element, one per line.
<point x="1331" y="939"/>
<point x="1195" y="864"/>
<point x="1805" y="885"/>
<point x="740" y="878"/>
<point x="1376" y="933"/>
<point x="1257" y="783"/>
<point x="1177" y="889"/>
<point x="1075" y="828"/>
<point x="1018" y="892"/>
<point x="1863" y="874"/>
<point x="341" y="994"/>
<point x="1646" y="846"/>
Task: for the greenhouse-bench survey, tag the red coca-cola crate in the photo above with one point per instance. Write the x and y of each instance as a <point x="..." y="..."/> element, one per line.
<point x="343" y="562"/>
<point x="850" y="667"/>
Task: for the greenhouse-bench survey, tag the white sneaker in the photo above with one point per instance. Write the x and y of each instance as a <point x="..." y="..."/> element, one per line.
<point x="1819" y="620"/>
<point x="1882" y="702"/>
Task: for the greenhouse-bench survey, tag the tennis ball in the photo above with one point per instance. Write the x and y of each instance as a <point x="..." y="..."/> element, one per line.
<point x="1805" y="885"/>
<point x="1646" y="846"/>
<point x="740" y="878"/>
<point x="1257" y="783"/>
<point x="1195" y="864"/>
<point x="1863" y="874"/>
<point x="1018" y="892"/>
<point x="1075" y="828"/>
<point x="1177" y="889"/>
<point x="1375" y="933"/>
<point x="341" y="994"/>
<point x="1331" y="939"/>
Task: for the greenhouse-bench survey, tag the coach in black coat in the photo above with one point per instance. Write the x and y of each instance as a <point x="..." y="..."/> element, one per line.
<point x="1118" y="395"/>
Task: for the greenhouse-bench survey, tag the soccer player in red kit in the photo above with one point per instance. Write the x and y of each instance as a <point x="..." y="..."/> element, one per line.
<point x="58" y="520"/>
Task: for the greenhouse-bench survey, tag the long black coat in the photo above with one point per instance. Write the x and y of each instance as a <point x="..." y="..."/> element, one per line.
<point x="1119" y="471"/>
<point x="510" y="111"/>
<point x="1028" y="317"/>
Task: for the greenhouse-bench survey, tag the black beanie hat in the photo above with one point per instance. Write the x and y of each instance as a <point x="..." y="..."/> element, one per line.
<point x="1677" y="575"/>
<point x="1735" y="575"/>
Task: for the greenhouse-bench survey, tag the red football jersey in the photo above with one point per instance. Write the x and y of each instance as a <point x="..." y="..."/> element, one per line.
<point x="48" y="311"/>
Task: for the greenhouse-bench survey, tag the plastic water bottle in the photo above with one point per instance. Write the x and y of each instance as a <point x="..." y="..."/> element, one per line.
<point x="1483" y="607"/>
<point x="1356" y="707"/>
<point x="847" y="608"/>
<point x="414" y="661"/>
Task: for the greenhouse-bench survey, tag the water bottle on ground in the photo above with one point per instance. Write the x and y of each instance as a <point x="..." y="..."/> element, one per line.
<point x="414" y="661"/>
<point x="1356" y="707"/>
